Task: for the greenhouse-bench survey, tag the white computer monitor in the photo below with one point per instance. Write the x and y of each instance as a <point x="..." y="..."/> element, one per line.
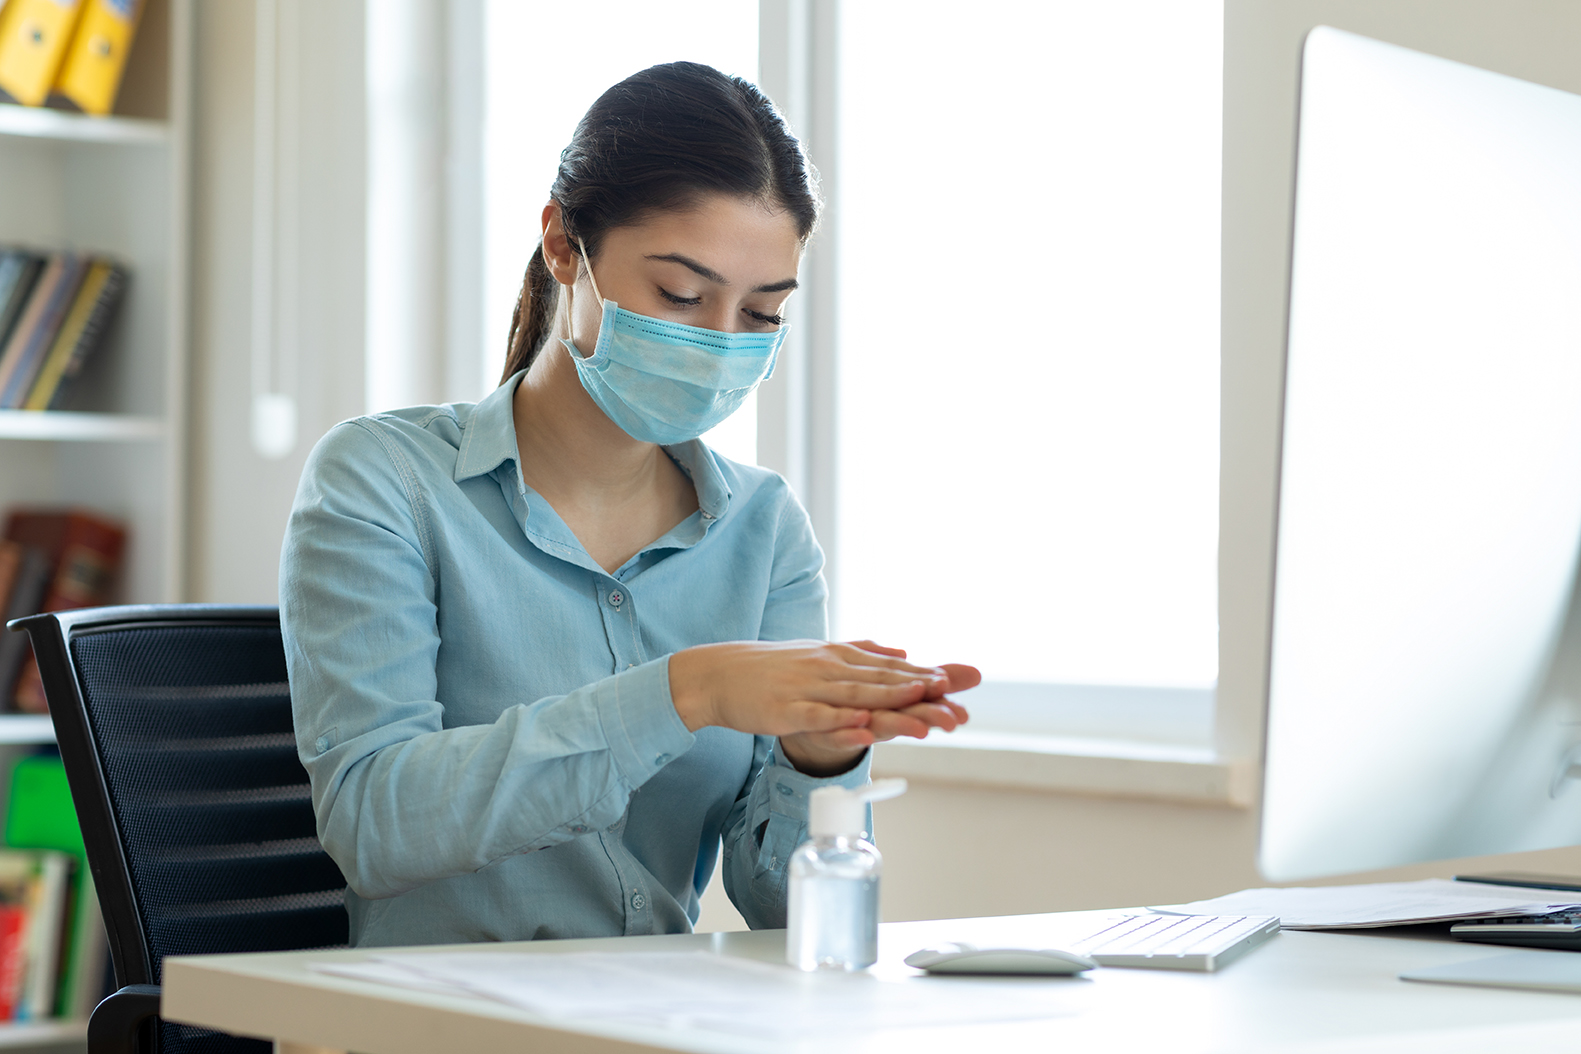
<point x="1424" y="696"/>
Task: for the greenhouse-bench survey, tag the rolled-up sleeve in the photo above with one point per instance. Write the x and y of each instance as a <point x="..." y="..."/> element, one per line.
<point x="400" y="799"/>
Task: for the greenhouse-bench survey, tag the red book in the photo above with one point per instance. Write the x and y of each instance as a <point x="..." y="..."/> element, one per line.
<point x="13" y="957"/>
<point x="84" y="555"/>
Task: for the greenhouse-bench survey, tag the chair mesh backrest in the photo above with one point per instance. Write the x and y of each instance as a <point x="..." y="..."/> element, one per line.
<point x="193" y="724"/>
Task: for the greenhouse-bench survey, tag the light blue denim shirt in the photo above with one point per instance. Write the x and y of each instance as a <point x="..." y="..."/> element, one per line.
<point x="485" y="713"/>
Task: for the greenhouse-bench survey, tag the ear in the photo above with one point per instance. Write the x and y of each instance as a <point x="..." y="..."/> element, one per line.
<point x="563" y="264"/>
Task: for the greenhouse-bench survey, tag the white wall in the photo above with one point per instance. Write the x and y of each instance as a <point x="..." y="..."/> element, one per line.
<point x="239" y="499"/>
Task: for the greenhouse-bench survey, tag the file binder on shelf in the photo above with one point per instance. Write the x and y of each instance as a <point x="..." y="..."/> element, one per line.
<point x="90" y="75"/>
<point x="34" y="35"/>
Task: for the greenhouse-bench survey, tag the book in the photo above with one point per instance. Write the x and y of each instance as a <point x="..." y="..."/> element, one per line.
<point x="36" y="329"/>
<point x="90" y="74"/>
<point x="49" y="916"/>
<point x="21" y="594"/>
<point x="13" y="938"/>
<point x="34" y="35"/>
<point x="18" y="271"/>
<point x="84" y="554"/>
<point x="40" y="814"/>
<point x="34" y="901"/>
<point x="81" y="332"/>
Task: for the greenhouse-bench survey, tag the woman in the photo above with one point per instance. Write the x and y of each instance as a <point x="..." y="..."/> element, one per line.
<point x="548" y="651"/>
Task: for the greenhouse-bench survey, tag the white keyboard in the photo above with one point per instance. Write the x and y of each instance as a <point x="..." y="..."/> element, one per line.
<point x="1175" y="942"/>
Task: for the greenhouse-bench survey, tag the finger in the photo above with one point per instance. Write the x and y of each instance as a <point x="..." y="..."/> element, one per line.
<point x="955" y="678"/>
<point x="807" y="716"/>
<point x="867" y="696"/>
<point x="935" y="715"/>
<point x="859" y="656"/>
<point x="835" y="670"/>
<point x="878" y="649"/>
<point x="961" y="713"/>
<point x="962" y="677"/>
<point x="892" y="723"/>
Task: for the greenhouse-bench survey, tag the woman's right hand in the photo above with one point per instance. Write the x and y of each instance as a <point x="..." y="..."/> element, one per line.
<point x="780" y="688"/>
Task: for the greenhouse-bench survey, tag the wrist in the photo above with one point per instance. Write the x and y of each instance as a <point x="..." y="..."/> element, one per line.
<point x="688" y="688"/>
<point x="821" y="764"/>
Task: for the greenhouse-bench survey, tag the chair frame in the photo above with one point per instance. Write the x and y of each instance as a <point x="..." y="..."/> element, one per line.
<point x="117" y="1018"/>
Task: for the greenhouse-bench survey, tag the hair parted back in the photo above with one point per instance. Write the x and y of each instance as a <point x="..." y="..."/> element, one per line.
<point x="659" y="140"/>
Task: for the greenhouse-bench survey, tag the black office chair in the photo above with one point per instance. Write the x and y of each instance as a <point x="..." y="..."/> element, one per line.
<point x="174" y="724"/>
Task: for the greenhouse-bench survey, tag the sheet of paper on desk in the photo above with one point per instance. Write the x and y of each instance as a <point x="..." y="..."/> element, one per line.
<point x="1378" y="904"/>
<point x="719" y="993"/>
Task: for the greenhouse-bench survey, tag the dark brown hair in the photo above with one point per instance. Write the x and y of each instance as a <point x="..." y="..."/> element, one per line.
<point x="659" y="140"/>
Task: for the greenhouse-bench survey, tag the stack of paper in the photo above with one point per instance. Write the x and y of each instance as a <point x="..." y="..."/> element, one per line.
<point x="1379" y="904"/>
<point x="715" y="992"/>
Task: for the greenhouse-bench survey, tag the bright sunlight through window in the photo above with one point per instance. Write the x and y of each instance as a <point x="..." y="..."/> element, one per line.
<point x="1029" y="367"/>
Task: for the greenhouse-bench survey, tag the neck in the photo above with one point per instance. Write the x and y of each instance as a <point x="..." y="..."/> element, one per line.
<point x="570" y="451"/>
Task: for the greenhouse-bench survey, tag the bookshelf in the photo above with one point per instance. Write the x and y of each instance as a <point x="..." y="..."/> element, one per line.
<point x="118" y="185"/>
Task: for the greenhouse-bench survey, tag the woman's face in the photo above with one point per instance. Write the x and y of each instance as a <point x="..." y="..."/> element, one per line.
<point x="727" y="264"/>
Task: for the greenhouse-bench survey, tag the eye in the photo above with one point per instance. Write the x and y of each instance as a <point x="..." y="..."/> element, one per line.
<point x="684" y="301"/>
<point x="772" y="320"/>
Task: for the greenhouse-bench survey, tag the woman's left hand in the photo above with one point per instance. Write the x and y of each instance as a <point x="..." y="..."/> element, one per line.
<point x="830" y="753"/>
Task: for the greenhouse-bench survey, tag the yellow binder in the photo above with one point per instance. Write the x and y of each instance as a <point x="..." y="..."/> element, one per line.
<point x="91" y="73"/>
<point x="33" y="39"/>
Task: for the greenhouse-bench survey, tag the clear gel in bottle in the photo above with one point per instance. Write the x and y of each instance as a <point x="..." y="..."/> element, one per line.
<point x="833" y="922"/>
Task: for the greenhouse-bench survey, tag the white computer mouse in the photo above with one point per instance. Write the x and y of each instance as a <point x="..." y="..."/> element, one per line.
<point x="972" y="959"/>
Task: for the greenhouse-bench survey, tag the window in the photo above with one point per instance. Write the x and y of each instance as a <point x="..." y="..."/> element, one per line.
<point x="1026" y="224"/>
<point x="539" y="84"/>
<point x="1028" y="342"/>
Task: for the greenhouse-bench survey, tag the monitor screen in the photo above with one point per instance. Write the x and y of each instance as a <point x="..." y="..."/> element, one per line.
<point x="1424" y="697"/>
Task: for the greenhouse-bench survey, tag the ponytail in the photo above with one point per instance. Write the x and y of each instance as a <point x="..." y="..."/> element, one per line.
<point x="534" y="315"/>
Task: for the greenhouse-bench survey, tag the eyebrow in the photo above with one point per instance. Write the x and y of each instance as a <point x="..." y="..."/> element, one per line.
<point x="714" y="276"/>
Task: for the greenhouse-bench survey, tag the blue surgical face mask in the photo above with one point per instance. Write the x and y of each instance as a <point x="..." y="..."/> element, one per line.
<point x="664" y="382"/>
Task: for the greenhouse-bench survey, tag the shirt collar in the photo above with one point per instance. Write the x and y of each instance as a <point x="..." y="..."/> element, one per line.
<point x="490" y="436"/>
<point x="490" y="440"/>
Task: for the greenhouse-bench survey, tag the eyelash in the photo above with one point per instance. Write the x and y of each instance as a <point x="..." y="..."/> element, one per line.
<point x="693" y="301"/>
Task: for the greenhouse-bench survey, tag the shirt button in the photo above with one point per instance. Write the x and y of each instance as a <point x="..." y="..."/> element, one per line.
<point x="616" y="598"/>
<point x="786" y="790"/>
<point x="580" y="828"/>
<point x="638" y="901"/>
<point x="662" y="759"/>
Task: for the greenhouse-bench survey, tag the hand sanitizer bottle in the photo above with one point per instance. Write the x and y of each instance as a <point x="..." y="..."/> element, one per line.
<point x="833" y="921"/>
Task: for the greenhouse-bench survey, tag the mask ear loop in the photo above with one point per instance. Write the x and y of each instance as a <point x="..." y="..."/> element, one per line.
<point x="590" y="277"/>
<point x="565" y="301"/>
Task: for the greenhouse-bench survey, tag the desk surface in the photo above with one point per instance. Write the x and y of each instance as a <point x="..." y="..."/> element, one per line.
<point x="1298" y="992"/>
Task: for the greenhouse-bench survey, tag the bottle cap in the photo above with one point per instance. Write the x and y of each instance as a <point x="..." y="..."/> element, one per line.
<point x="836" y="811"/>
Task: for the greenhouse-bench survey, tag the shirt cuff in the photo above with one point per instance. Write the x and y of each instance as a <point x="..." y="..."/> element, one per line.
<point x="789" y="786"/>
<point x="640" y="724"/>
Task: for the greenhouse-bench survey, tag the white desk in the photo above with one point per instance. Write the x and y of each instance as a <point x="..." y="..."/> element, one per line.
<point x="1298" y="992"/>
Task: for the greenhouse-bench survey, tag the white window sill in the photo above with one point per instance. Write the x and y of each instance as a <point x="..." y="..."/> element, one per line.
<point x="1075" y="765"/>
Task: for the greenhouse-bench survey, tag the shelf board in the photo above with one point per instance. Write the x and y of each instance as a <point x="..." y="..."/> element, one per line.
<point x="66" y="425"/>
<point x="42" y="1035"/>
<point x="39" y="123"/>
<point x="26" y="728"/>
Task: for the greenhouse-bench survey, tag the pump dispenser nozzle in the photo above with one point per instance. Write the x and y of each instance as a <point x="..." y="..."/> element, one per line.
<point x="833" y="812"/>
